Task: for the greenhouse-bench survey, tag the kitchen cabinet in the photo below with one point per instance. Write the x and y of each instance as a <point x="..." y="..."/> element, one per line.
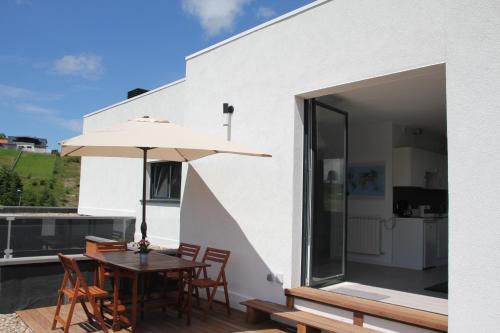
<point x="420" y="243"/>
<point x="419" y="168"/>
<point x="442" y="242"/>
<point x="430" y="243"/>
<point x="408" y="243"/>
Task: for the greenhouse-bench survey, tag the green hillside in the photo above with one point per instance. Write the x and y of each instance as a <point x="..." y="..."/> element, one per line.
<point x="48" y="179"/>
<point x="7" y="156"/>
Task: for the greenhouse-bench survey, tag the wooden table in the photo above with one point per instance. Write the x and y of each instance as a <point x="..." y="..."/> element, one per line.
<point x="129" y="261"/>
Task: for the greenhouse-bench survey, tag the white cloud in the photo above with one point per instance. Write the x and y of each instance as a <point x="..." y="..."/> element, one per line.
<point x="265" y="12"/>
<point x="33" y="109"/>
<point x="51" y="116"/>
<point x="88" y="66"/>
<point x="11" y="92"/>
<point x="215" y="16"/>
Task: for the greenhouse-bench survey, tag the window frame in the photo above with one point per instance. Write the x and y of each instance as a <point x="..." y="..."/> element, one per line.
<point x="150" y="195"/>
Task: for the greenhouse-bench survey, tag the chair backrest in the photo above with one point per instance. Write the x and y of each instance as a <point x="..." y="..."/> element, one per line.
<point x="72" y="273"/>
<point x="111" y="247"/>
<point x="217" y="256"/>
<point x="186" y="251"/>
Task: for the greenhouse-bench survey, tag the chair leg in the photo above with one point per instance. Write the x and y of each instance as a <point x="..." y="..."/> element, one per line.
<point x="211" y="296"/>
<point x="86" y="310"/>
<point x="58" y="309"/>
<point x="97" y="314"/>
<point x="70" y="314"/>
<point x="226" y="295"/>
<point x="208" y="298"/>
<point x="197" y="293"/>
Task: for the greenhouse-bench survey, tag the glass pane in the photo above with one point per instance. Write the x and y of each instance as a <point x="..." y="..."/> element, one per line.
<point x="166" y="180"/>
<point x="160" y="180"/>
<point x="42" y="236"/>
<point x="328" y="216"/>
<point x="175" y="190"/>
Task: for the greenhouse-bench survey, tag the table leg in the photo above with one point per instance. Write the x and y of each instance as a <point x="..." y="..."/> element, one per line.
<point x="180" y="298"/>
<point x="189" y="296"/>
<point x="133" y="313"/>
<point x="116" y="288"/>
<point x="143" y="278"/>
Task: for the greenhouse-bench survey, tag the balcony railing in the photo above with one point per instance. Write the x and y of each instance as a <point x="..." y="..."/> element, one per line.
<point x="24" y="236"/>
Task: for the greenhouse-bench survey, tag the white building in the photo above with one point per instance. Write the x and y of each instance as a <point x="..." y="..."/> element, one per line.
<point x="418" y="82"/>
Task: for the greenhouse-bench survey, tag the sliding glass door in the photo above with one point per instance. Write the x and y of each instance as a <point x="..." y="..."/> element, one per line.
<point x="325" y="209"/>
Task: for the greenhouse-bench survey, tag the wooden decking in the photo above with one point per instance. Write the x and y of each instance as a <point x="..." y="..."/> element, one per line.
<point x="217" y="321"/>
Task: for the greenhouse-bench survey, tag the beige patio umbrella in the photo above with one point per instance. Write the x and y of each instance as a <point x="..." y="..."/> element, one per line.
<point x="150" y="138"/>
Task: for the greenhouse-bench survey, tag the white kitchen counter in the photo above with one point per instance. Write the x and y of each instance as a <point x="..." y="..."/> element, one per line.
<point x="420" y="243"/>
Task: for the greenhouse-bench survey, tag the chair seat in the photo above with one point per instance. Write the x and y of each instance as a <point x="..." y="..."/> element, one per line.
<point x="205" y="283"/>
<point x="93" y="290"/>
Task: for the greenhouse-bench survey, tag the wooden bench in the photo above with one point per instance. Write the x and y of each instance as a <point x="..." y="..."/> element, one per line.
<point x="361" y="307"/>
<point x="258" y="311"/>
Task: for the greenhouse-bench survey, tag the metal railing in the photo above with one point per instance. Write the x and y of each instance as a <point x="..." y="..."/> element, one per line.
<point x="24" y="236"/>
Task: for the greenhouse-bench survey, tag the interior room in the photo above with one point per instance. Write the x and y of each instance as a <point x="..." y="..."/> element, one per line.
<point x="397" y="189"/>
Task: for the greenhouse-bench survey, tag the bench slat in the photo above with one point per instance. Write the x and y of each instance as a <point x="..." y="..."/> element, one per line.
<point x="305" y="318"/>
<point x="398" y="313"/>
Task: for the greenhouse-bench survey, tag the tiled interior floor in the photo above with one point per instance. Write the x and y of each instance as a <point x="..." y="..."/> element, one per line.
<point x="394" y="285"/>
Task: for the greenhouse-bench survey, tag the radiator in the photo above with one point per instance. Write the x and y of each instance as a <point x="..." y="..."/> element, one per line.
<point x="364" y="235"/>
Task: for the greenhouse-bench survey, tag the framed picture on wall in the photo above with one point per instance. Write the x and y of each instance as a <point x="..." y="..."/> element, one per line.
<point x="366" y="180"/>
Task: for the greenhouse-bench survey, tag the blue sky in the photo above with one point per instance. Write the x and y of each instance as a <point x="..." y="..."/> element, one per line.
<point x="62" y="59"/>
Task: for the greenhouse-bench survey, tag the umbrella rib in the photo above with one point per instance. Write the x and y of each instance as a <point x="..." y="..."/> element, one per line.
<point x="71" y="152"/>
<point x="178" y="152"/>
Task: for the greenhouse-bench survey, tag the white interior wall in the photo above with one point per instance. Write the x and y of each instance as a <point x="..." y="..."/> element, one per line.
<point x="372" y="143"/>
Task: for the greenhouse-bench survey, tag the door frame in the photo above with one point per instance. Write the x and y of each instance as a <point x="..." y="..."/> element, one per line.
<point x="308" y="192"/>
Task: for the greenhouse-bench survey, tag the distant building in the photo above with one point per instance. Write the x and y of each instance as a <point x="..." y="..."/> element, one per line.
<point x="26" y="143"/>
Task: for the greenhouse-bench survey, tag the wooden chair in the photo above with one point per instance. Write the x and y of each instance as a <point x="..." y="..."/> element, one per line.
<point x="216" y="256"/>
<point x="104" y="272"/>
<point x="185" y="251"/>
<point x="105" y="247"/>
<point x="78" y="291"/>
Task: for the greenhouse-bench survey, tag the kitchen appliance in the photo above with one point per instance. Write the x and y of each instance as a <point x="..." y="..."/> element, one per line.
<point x="403" y="208"/>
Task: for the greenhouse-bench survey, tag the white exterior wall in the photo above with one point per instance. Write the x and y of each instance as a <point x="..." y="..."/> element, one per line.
<point x="473" y="79"/>
<point x="258" y="211"/>
<point x="113" y="186"/>
<point x="253" y="206"/>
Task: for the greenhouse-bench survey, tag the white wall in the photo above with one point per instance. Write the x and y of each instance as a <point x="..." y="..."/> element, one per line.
<point x="259" y="74"/>
<point x="473" y="81"/>
<point x="369" y="143"/>
<point x="426" y="140"/>
<point x="253" y="206"/>
<point x="113" y="186"/>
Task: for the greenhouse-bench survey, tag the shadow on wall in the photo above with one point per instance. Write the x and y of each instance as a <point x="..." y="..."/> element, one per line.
<point x="205" y="221"/>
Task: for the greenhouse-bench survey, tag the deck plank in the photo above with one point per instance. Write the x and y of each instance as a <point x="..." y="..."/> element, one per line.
<point x="40" y="319"/>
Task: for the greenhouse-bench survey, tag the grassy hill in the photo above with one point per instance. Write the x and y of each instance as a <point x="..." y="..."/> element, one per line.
<point x="47" y="179"/>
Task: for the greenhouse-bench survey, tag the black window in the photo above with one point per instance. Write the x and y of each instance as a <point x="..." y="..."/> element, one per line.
<point x="165" y="180"/>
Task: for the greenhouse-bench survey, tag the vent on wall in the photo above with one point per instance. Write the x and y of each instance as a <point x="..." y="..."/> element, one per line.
<point x="136" y="92"/>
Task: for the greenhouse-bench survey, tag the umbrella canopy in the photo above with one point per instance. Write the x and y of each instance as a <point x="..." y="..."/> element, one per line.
<point x="147" y="137"/>
<point x="167" y="142"/>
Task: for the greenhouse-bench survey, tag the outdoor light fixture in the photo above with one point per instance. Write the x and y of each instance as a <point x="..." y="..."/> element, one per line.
<point x="228" y="110"/>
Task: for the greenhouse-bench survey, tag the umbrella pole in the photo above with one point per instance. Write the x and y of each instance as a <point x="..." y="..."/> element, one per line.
<point x="144" y="226"/>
